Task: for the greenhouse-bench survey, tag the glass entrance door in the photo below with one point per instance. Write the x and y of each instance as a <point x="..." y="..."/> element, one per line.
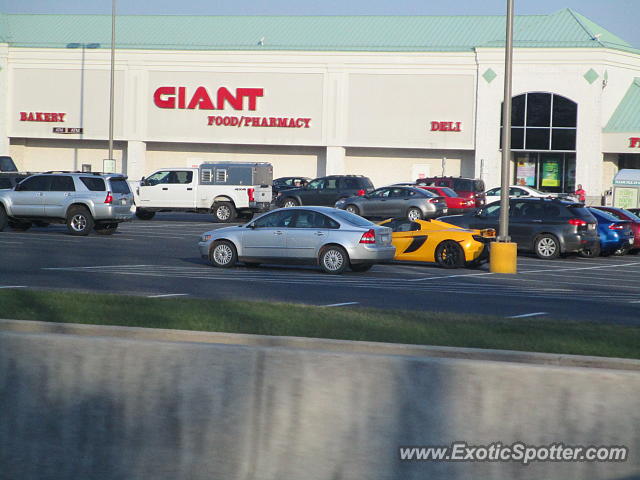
<point x="546" y="171"/>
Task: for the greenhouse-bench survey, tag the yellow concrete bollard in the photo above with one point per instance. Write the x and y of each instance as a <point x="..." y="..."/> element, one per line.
<point x="503" y="257"/>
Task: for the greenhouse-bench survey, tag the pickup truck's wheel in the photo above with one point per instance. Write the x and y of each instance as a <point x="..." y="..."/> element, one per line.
<point x="4" y="220"/>
<point x="79" y="221"/>
<point x="143" y="214"/>
<point x="106" y="228"/>
<point x="224" y="212"/>
<point x="223" y="254"/>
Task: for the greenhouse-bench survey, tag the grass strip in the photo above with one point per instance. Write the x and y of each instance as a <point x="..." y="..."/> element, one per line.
<point x="366" y="324"/>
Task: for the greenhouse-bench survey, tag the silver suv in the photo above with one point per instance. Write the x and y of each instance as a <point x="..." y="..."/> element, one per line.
<point x="84" y="201"/>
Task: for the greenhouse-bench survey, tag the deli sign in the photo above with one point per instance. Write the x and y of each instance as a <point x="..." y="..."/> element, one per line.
<point x="446" y="126"/>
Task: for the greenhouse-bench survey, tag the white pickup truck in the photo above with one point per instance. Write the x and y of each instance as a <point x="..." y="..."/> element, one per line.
<point x="227" y="190"/>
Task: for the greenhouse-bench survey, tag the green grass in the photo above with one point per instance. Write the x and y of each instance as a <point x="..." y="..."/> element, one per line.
<point x="266" y="318"/>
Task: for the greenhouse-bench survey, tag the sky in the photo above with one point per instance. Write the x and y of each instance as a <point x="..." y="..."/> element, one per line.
<point x="618" y="16"/>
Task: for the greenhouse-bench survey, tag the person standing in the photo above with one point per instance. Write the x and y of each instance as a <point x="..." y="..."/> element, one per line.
<point x="581" y="194"/>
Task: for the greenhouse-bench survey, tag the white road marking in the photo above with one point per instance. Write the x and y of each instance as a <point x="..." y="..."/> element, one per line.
<point x="95" y="267"/>
<point x="13" y="286"/>
<point x="579" y="268"/>
<point x="340" y="304"/>
<point x="168" y="295"/>
<point x="635" y="301"/>
<point x="534" y="314"/>
<point x="450" y="276"/>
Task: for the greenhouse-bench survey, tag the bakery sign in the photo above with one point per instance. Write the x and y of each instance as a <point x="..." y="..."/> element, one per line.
<point x="42" y="116"/>
<point x="243" y="100"/>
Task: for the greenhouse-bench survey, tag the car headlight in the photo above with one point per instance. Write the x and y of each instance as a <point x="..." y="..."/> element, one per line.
<point x="205" y="237"/>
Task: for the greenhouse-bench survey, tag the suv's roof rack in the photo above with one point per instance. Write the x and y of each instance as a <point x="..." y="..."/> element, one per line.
<point x="85" y="173"/>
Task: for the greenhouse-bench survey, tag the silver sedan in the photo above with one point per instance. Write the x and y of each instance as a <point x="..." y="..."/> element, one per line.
<point x="396" y="201"/>
<point x="324" y="236"/>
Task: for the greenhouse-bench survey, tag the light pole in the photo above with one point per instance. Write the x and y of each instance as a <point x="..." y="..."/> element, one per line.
<point x="83" y="46"/>
<point x="111" y="160"/>
<point x="503" y="252"/>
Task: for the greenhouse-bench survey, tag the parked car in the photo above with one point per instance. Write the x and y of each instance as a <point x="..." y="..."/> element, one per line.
<point x="436" y="241"/>
<point x="84" y="201"/>
<point x="225" y="189"/>
<point x="622" y="214"/>
<point x="455" y="203"/>
<point x="616" y="236"/>
<point x="471" y="188"/>
<point x="635" y="211"/>
<point x="285" y="183"/>
<point x="8" y="180"/>
<point x="331" y="238"/>
<point x="410" y="202"/>
<point x="7" y="164"/>
<point x="519" y="191"/>
<point x="325" y="191"/>
<point x="548" y="227"/>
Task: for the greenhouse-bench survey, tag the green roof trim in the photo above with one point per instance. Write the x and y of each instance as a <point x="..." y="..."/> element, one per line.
<point x="626" y="118"/>
<point x="564" y="28"/>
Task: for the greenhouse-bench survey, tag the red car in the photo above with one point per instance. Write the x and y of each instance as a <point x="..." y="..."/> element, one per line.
<point x="634" y="220"/>
<point x="455" y="203"/>
<point x="471" y="188"/>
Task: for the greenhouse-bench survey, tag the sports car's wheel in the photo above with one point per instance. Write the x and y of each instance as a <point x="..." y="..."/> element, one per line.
<point x="223" y="254"/>
<point x="547" y="247"/>
<point x="414" y="214"/>
<point x="352" y="209"/>
<point x="333" y="259"/>
<point x="449" y="254"/>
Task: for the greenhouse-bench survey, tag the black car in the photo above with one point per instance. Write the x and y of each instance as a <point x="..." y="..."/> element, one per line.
<point x="285" y="183"/>
<point x="8" y="180"/>
<point x="548" y="227"/>
<point x="325" y="191"/>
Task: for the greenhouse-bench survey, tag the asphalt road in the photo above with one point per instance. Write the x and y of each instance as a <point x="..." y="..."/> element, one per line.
<point x="160" y="258"/>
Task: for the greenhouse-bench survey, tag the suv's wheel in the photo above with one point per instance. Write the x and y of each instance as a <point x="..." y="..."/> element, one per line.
<point x="223" y="254"/>
<point x="621" y="251"/>
<point x="224" y="212"/>
<point x="290" y="202"/>
<point x="547" y="247"/>
<point x="4" y="220"/>
<point x="106" y="228"/>
<point x="414" y="214"/>
<point x="143" y="214"/>
<point x="352" y="209"/>
<point x="449" y="254"/>
<point x="333" y="259"/>
<point x="20" y="226"/>
<point x="79" y="221"/>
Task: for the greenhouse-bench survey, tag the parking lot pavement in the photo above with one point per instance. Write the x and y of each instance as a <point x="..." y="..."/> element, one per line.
<point x="160" y="258"/>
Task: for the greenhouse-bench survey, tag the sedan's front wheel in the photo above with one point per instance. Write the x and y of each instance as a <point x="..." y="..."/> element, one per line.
<point x="414" y="214"/>
<point x="223" y="254"/>
<point x="334" y="259"/>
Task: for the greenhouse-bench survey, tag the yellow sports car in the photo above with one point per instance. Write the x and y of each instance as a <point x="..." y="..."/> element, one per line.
<point x="434" y="241"/>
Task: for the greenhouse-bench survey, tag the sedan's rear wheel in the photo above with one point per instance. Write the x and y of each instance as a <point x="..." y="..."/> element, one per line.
<point x="414" y="214"/>
<point x="352" y="209"/>
<point x="290" y="202"/>
<point x="334" y="259"/>
<point x="449" y="254"/>
<point x="547" y="247"/>
<point x="223" y="254"/>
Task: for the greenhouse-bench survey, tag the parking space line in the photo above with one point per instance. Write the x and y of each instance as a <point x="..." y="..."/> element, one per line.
<point x="340" y="304"/>
<point x="13" y="286"/>
<point x="525" y="315"/>
<point x="580" y="268"/>
<point x="168" y="295"/>
<point x="450" y="276"/>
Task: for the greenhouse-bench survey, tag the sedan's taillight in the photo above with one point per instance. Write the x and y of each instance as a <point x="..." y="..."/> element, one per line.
<point x="434" y="200"/>
<point x="109" y="198"/>
<point x="368" y="237"/>
<point x="577" y="222"/>
<point x="361" y="192"/>
<point x="250" y="194"/>
<point x="616" y="226"/>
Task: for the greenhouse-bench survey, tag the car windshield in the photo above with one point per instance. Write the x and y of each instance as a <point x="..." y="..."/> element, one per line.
<point x="352" y="218"/>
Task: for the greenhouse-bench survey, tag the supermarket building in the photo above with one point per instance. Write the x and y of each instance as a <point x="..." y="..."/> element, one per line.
<point x="392" y="98"/>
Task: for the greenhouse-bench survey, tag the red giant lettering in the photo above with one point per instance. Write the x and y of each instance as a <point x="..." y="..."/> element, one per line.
<point x="634" y="142"/>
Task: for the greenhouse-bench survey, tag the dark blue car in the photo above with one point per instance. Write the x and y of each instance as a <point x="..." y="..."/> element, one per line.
<point x="616" y="235"/>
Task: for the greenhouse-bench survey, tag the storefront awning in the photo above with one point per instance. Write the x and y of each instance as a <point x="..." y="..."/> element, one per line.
<point x="627" y="176"/>
<point x="622" y="132"/>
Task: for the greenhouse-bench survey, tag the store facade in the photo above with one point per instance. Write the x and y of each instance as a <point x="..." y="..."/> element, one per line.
<point x="393" y="115"/>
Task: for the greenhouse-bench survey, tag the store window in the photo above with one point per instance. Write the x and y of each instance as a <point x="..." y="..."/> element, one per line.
<point x="543" y="141"/>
